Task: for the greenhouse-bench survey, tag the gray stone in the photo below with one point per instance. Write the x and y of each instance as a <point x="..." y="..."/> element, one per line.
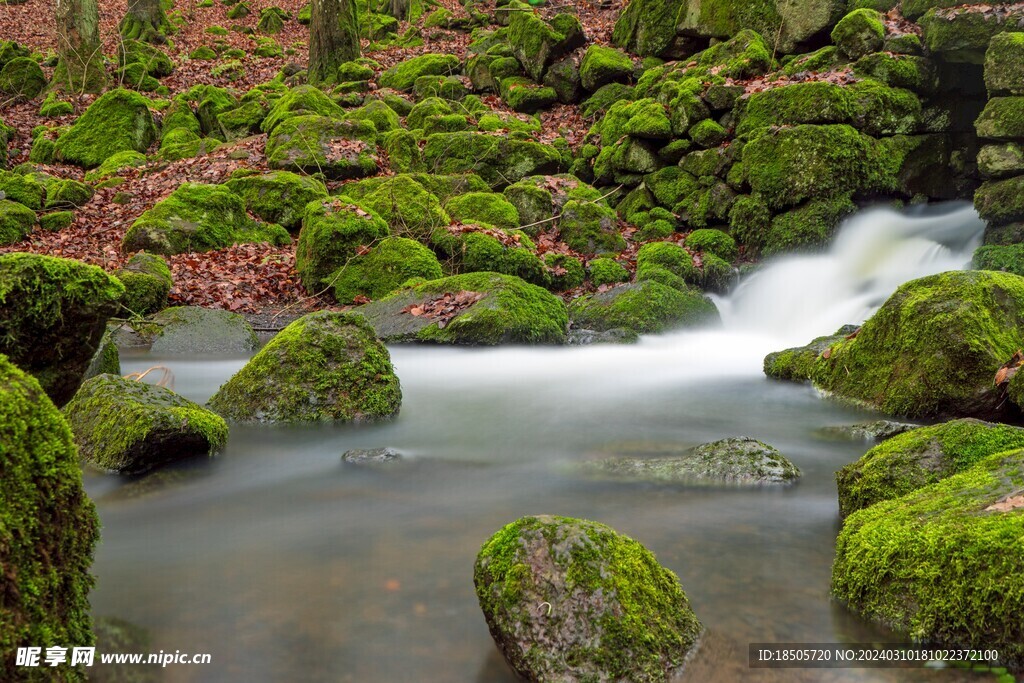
<point x="369" y="456"/>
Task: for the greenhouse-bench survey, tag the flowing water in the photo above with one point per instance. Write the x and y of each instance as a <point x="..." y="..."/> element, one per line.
<point x="286" y="565"/>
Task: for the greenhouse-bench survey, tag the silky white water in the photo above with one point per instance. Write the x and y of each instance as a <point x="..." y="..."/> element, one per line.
<point x="285" y="565"/>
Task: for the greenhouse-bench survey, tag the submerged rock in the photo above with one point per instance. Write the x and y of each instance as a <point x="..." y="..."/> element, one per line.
<point x="324" y="366"/>
<point x="365" y="456"/>
<point x="920" y="457"/>
<point x="475" y="308"/>
<point x="933" y="348"/>
<point x="879" y="430"/>
<point x="49" y="525"/>
<point x="127" y="426"/>
<point x="942" y="563"/>
<point x="53" y="313"/>
<point x="740" y="460"/>
<point x="797" y="364"/>
<point x="572" y="600"/>
<point x="191" y="330"/>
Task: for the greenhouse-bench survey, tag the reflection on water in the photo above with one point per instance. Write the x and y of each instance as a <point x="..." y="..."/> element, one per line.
<point x="286" y="565"/>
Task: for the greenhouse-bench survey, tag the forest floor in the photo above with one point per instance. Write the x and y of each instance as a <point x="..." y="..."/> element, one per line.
<point x="249" y="278"/>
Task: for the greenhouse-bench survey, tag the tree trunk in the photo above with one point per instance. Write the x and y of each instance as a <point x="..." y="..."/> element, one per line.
<point x="400" y="9"/>
<point x="333" y="38"/>
<point x="146" y="21"/>
<point x="80" y="64"/>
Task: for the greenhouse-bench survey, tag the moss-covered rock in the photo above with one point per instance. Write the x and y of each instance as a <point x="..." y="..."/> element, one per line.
<point x="271" y="21"/>
<point x="16" y="221"/>
<point x="184" y="144"/>
<point x="917" y="458"/>
<point x="964" y="35"/>
<point x="647" y="27"/>
<point x="490" y="309"/>
<point x="645" y="307"/>
<point x="638" y="622"/>
<point x="22" y="78"/>
<point x="606" y="271"/>
<point x="483" y="207"/>
<point x="1002" y="119"/>
<point x="407" y="207"/>
<point x="317" y="144"/>
<point x="524" y="96"/>
<point x="147" y="281"/>
<point x="797" y="364"/>
<point x="48" y="525"/>
<point x="278" y="197"/>
<point x="602" y="65"/>
<point x="333" y="231"/>
<point x="244" y="120"/>
<point x="403" y="75"/>
<point x="56" y="220"/>
<point x="116" y="122"/>
<point x="1001" y="201"/>
<point x="1001" y="161"/>
<point x="115" y="165"/>
<point x="26" y="189"/>
<point x="933" y="348"/>
<point x="711" y="241"/>
<point x="304" y="100"/>
<point x="537" y="43"/>
<point x="498" y="159"/>
<point x="1008" y="258"/>
<point x="1004" y="65"/>
<point x="127" y="426"/>
<point x="590" y="227"/>
<point x="479" y="249"/>
<point x="191" y="330"/>
<point x="737" y="461"/>
<point x="323" y="367"/>
<point x="807" y="227"/>
<point x="389" y="264"/>
<point x="667" y="263"/>
<point x="198" y="217"/>
<point x="859" y="33"/>
<point x="933" y="564"/>
<point x="383" y="117"/>
<point x="53" y="313"/>
<point x="153" y="59"/>
<point x="67" y="194"/>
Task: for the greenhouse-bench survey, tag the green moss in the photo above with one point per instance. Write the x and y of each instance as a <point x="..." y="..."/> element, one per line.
<point x="48" y="528"/>
<point x="389" y="264"/>
<point x="498" y="159"/>
<point x="67" y="194"/>
<point x="24" y="189"/>
<point x="1004" y="67"/>
<point x="647" y="27"/>
<point x="590" y="227"/>
<point x="16" y="222"/>
<point x="641" y="625"/>
<point x="603" y="65"/>
<point x="973" y="317"/>
<point x="1007" y="258"/>
<point x="645" y="307"/>
<point x="933" y="564"/>
<point x="407" y="207"/>
<point x="523" y="95"/>
<point x="605" y="97"/>
<point x="536" y="43"/>
<point x="914" y="459"/>
<point x="403" y="151"/>
<point x="1001" y="201"/>
<point x="147" y="282"/>
<point x="606" y="271"/>
<point x="821" y="60"/>
<point x="403" y="75"/>
<point x="271" y="21"/>
<point x="301" y="101"/>
<point x="471" y="251"/>
<point x="198" y="217"/>
<point x="899" y="71"/>
<point x="797" y="364"/>
<point x="483" y="207"/>
<point x="323" y="367"/>
<point x="118" y="121"/>
<point x="708" y="133"/>
<point x="964" y="36"/>
<point x="383" y="117"/>
<point x="151" y="58"/>
<point x="859" y="33"/>
<point x="128" y="426"/>
<point x="564" y="272"/>
<point x="1002" y="119"/>
<point x="511" y="311"/>
<point x="56" y="221"/>
<point x="203" y="53"/>
<point x="667" y="263"/>
<point x="116" y="164"/>
<point x="278" y="197"/>
<point x="53" y="312"/>
<point x="332" y="232"/>
<point x="318" y="144"/>
<point x="713" y="242"/>
<point x="22" y="78"/>
<point x="807" y="227"/>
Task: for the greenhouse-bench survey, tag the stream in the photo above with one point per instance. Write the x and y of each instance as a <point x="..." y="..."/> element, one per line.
<point x="285" y="565"/>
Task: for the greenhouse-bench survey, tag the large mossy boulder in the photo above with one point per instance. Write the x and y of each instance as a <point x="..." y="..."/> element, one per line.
<point x="738" y="461"/>
<point x="475" y="308"/>
<point x="197" y="217"/>
<point x="323" y="367"/>
<point x="333" y="232"/>
<point x="53" y="313"/>
<point x="388" y="265"/>
<point x="305" y="100"/>
<point x="920" y="457"/>
<point x="573" y="600"/>
<point x="797" y="364"/>
<point x="22" y="78"/>
<point x="147" y="281"/>
<point x="16" y="222"/>
<point x="498" y="159"/>
<point x="537" y="43"/>
<point x="934" y="347"/>
<point x="279" y="196"/>
<point x="645" y="307"/>
<point x="407" y="206"/>
<point x="319" y="144"/>
<point x="403" y="75"/>
<point x="1004" y="64"/>
<point x="129" y="427"/>
<point x="116" y="122"/>
<point x="48" y="529"/>
<point x="939" y="563"/>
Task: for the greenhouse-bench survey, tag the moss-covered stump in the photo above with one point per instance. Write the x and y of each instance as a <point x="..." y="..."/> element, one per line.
<point x="498" y="159"/>
<point x="387" y="266"/>
<point x="278" y="197"/>
<point x="920" y="457"/>
<point x="53" y="313"/>
<point x="16" y="221"/>
<point x="644" y="307"/>
<point x="48" y="528"/>
<point x="933" y="348"/>
<point x="129" y="427"/>
<point x="323" y="367"/>
<point x="737" y="461"/>
<point x="797" y="364"/>
<point x="147" y="282"/>
<point x="190" y="330"/>
<point x="318" y="144"/>
<point x="572" y="600"/>
<point x="116" y="122"/>
<point x="198" y="217"/>
<point x="475" y="309"/>
<point x="935" y="563"/>
<point x="333" y="231"/>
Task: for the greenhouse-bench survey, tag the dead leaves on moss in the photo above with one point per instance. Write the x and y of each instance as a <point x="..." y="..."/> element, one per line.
<point x="442" y="309"/>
